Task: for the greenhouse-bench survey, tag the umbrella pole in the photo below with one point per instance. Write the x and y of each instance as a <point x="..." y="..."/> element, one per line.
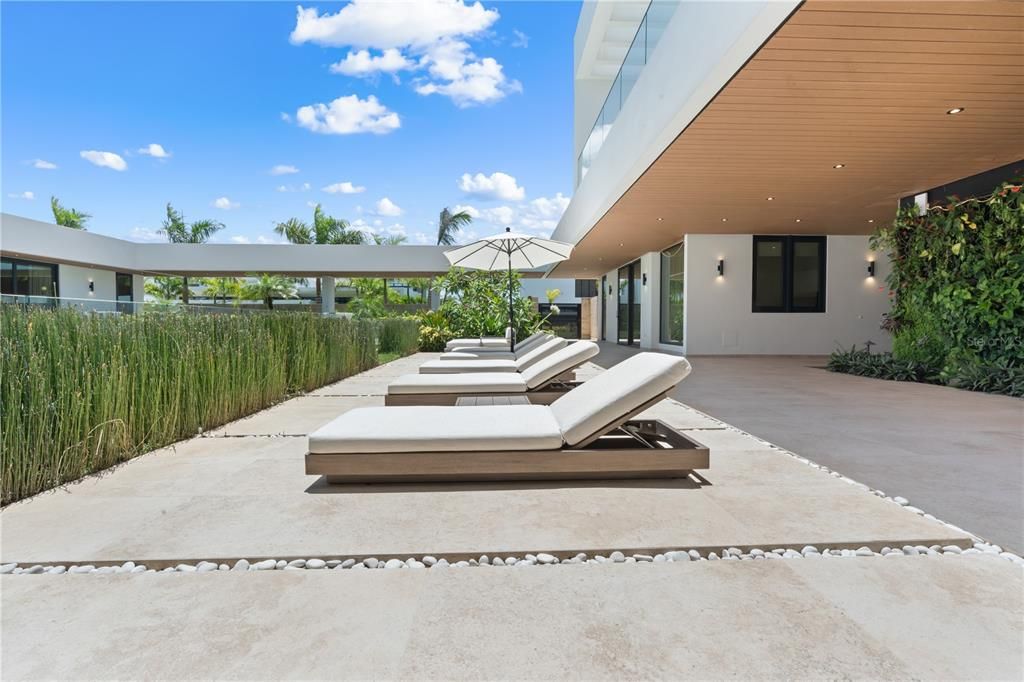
<point x="511" y="309"/>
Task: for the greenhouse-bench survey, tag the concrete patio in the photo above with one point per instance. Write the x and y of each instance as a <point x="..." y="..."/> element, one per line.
<point x="958" y="454"/>
<point x="240" y="492"/>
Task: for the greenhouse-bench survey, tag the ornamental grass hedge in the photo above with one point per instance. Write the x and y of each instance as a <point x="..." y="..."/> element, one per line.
<point x="957" y="289"/>
<point x="82" y="392"/>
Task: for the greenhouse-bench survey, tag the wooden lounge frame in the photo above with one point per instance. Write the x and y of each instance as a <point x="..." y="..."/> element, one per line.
<point x="625" y="449"/>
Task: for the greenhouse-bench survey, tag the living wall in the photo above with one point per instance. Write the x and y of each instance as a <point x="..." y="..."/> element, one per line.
<point x="83" y="392"/>
<point x="957" y="288"/>
<point x="475" y="303"/>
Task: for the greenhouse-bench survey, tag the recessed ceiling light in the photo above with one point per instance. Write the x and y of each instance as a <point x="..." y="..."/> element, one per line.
<point x="798" y="220"/>
<point x="955" y="110"/>
<point x="871" y="220"/>
<point x="620" y="243"/>
<point x="725" y="220"/>
<point x="771" y="198"/>
<point x="660" y="219"/>
<point x="839" y="165"/>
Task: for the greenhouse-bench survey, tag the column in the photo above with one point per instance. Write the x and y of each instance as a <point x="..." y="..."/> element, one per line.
<point x="327" y="290"/>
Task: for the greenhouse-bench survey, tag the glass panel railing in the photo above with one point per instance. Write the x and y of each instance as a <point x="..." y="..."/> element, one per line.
<point x="651" y="28"/>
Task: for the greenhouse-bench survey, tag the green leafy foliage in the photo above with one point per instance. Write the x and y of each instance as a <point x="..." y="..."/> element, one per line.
<point x="68" y="217"/>
<point x="80" y="393"/>
<point x="267" y="288"/>
<point x="475" y="303"/>
<point x="957" y="288"/>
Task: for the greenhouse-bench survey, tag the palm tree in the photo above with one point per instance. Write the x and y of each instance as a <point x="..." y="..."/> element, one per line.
<point x="179" y="232"/>
<point x="164" y="289"/>
<point x="222" y="287"/>
<point x="449" y="223"/>
<point x="324" y="230"/>
<point x="68" y="217"/>
<point x="268" y="287"/>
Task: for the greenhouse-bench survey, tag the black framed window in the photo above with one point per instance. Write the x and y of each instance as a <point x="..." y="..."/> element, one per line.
<point x="28" y="278"/>
<point x="789" y="274"/>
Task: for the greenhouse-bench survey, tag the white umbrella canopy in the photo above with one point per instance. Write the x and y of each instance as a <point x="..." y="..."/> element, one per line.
<point x="509" y="250"/>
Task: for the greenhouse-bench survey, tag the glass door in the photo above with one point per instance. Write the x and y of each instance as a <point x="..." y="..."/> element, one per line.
<point x="604" y="307"/>
<point x="629" y="304"/>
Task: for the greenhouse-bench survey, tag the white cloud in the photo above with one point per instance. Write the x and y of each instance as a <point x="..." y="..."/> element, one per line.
<point x="225" y="203"/>
<point x="471" y="211"/>
<point x="344" y="188"/>
<point x="22" y="195"/>
<point x="499" y="215"/>
<point x="422" y="238"/>
<point x="550" y="208"/>
<point x="146" y="234"/>
<point x="521" y="39"/>
<point x="427" y="34"/>
<point x="497" y="185"/>
<point x="387" y="207"/>
<point x="363" y="63"/>
<point x="348" y="115"/>
<point x="311" y="204"/>
<point x="366" y="23"/>
<point x="43" y="165"/>
<point x="154" y="150"/>
<point x="465" y="79"/>
<point x="262" y="239"/>
<point x="283" y="169"/>
<point x="104" y="159"/>
<point x="240" y="239"/>
<point x="286" y="117"/>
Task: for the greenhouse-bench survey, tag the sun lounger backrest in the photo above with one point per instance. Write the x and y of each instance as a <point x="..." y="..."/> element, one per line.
<point x="531" y="357"/>
<point x="547" y="368"/>
<point x="616" y="393"/>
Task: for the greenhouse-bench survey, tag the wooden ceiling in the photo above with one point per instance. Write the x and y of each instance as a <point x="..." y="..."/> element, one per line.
<point x="863" y="84"/>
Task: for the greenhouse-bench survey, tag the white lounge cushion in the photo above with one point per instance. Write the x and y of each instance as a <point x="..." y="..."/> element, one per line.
<point x="438" y="429"/>
<point x="466" y="383"/>
<point x="485" y="342"/>
<point x="593" y="405"/>
<point x="455" y="367"/>
<point x="549" y="367"/>
<point x="496" y="353"/>
<point x="494" y="365"/>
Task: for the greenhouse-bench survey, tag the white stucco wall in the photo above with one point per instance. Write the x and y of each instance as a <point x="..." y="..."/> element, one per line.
<point x="718" y="315"/>
<point x="538" y="288"/>
<point x="74" y="283"/>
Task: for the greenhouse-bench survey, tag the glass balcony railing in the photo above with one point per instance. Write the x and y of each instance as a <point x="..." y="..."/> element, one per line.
<point x="651" y="28"/>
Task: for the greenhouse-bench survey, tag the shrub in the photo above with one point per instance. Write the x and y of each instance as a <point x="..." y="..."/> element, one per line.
<point x="81" y="393"/>
<point x="434" y="331"/>
<point x="475" y="303"/>
<point x="399" y="335"/>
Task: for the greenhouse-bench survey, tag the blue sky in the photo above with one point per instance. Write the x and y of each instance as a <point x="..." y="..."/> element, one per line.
<point x="429" y="104"/>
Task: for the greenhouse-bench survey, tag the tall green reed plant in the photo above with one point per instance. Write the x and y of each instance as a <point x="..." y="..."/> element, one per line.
<point x="80" y="393"/>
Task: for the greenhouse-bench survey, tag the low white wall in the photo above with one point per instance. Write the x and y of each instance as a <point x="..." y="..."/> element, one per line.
<point x="718" y="315"/>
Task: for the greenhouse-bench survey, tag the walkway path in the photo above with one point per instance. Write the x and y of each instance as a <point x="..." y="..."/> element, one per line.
<point x="958" y="454"/>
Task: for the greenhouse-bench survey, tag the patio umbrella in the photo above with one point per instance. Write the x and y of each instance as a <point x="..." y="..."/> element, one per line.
<point x="509" y="250"/>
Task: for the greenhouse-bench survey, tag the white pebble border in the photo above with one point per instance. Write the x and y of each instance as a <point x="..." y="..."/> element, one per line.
<point x="980" y="548"/>
<point x="539" y="559"/>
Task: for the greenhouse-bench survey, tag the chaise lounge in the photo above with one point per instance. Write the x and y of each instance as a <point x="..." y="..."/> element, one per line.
<point x="481" y="353"/>
<point x="541" y="383"/>
<point x="494" y="342"/>
<point x="588" y="433"/>
<point x="486" y="364"/>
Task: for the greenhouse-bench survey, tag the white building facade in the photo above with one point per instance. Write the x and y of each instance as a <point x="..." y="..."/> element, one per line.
<point x="732" y="159"/>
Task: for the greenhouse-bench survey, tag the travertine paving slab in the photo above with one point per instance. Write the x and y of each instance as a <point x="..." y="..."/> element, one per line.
<point x="249" y="496"/>
<point x="296" y="417"/>
<point x="879" y="618"/>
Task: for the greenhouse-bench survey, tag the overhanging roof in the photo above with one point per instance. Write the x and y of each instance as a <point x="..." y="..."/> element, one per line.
<point x="36" y="240"/>
<point x="863" y="84"/>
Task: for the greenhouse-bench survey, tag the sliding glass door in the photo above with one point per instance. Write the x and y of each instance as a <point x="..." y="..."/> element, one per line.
<point x="629" y="304"/>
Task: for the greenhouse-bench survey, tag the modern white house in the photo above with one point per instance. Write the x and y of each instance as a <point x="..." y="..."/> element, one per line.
<point x="732" y="159"/>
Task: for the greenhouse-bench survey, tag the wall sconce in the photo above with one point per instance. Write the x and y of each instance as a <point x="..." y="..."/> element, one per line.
<point x="721" y="267"/>
<point x="609" y="289"/>
<point x="644" y="278"/>
<point x="92" y="286"/>
<point x="871" y="268"/>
